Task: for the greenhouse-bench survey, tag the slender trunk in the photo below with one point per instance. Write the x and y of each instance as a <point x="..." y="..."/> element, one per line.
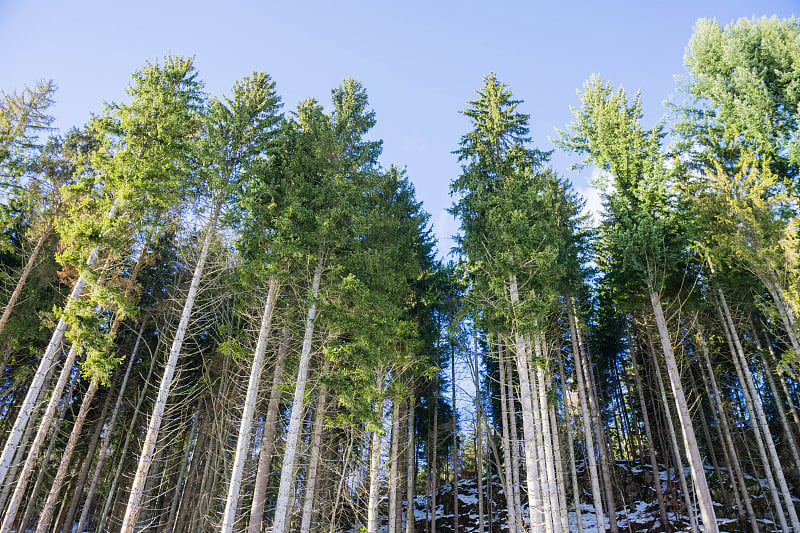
<point x="576" y="491"/>
<point x="411" y="448"/>
<point x="514" y="443"/>
<point x="123" y="453"/>
<point x="455" y="434"/>
<point x="549" y="492"/>
<point x="29" y="403"/>
<point x="746" y="378"/>
<point x="602" y="449"/>
<point x="375" y="448"/>
<point x="782" y="381"/>
<point x="787" y="429"/>
<point x="106" y="444"/>
<point x="179" y="491"/>
<point x="394" y="468"/>
<point x="232" y="501"/>
<point x="528" y="428"/>
<point x="478" y="429"/>
<point x="692" y="450"/>
<point x="268" y="438"/>
<point x="784" y="310"/>
<point x="726" y="432"/>
<point x="52" y="498"/>
<point x="434" y="464"/>
<point x="34" y="494"/>
<point x="33" y="451"/>
<point x="87" y="462"/>
<point x="313" y="459"/>
<point x="508" y="490"/>
<point x="293" y="431"/>
<point x="23" y="277"/>
<point x="148" y="446"/>
<point x="585" y="416"/>
<point x="662" y="507"/>
<point x="676" y="451"/>
<point x="561" y="484"/>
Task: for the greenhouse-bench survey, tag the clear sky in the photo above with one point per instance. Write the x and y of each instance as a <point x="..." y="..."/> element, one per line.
<point x="419" y="61"/>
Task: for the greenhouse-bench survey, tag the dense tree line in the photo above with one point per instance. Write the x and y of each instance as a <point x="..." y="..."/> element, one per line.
<point x="223" y="316"/>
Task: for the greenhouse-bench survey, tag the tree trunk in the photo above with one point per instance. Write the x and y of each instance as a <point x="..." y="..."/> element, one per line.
<point x="375" y="449"/>
<point x="676" y="451"/>
<point x="411" y="470"/>
<point x="394" y="468"/>
<point x="726" y="432"/>
<point x="313" y="459"/>
<point x="148" y="446"/>
<point x="87" y="462"/>
<point x="232" y="501"/>
<point x="268" y="438"/>
<point x="528" y="428"/>
<point x="662" y="507"/>
<point x="692" y="450"/>
<point x="455" y="435"/>
<point x="106" y="444"/>
<point x="293" y="431"/>
<point x="34" y="494"/>
<point x="41" y="434"/>
<point x="588" y="434"/>
<point x="746" y="379"/>
<point x="576" y="491"/>
<point x="29" y="403"/>
<point x="23" y="277"/>
<point x="508" y="490"/>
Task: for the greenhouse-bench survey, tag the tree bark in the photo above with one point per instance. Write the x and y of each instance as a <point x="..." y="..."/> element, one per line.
<point x="106" y="444"/>
<point x="232" y="501"/>
<point x="293" y="431"/>
<point x="313" y="459"/>
<point x="375" y="448"/>
<point x="662" y="507"/>
<point x="588" y="434"/>
<point x="148" y="447"/>
<point x="692" y="450"/>
<point x="411" y="470"/>
<point x="41" y="434"/>
<point x="505" y="413"/>
<point x="268" y="438"/>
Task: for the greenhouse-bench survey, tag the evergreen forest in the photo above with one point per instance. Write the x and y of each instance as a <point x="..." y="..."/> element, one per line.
<point x="219" y="314"/>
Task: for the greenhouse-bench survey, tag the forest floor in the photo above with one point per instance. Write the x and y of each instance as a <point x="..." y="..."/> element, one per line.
<point x="636" y="504"/>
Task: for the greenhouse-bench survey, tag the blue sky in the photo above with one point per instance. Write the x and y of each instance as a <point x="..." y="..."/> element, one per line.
<point x="419" y="61"/>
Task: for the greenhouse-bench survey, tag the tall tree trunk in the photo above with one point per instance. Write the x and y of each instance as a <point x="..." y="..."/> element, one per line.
<point x="268" y="438"/>
<point x="232" y="501"/>
<point x="505" y="413"/>
<point x="375" y="449"/>
<point x="576" y="491"/>
<point x="34" y="494"/>
<point x="313" y="459"/>
<point x="746" y="379"/>
<point x="676" y="451"/>
<point x="178" y="492"/>
<point x="411" y="470"/>
<point x="36" y="445"/>
<point x="148" y="446"/>
<point x="651" y="444"/>
<point x="46" y="514"/>
<point x="88" y="460"/>
<point x="478" y="429"/>
<point x="293" y="431"/>
<point x="455" y="435"/>
<point x="528" y="427"/>
<point x="726" y="432"/>
<point x="23" y="277"/>
<point x="106" y="444"/>
<point x="692" y="450"/>
<point x="588" y="434"/>
<point x="514" y="442"/>
<point x="394" y="468"/>
<point x="29" y="403"/>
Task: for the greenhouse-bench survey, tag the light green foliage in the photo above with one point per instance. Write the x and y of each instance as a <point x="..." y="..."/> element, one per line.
<point x="22" y="118"/>
<point x="745" y="82"/>
<point x="641" y="232"/>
